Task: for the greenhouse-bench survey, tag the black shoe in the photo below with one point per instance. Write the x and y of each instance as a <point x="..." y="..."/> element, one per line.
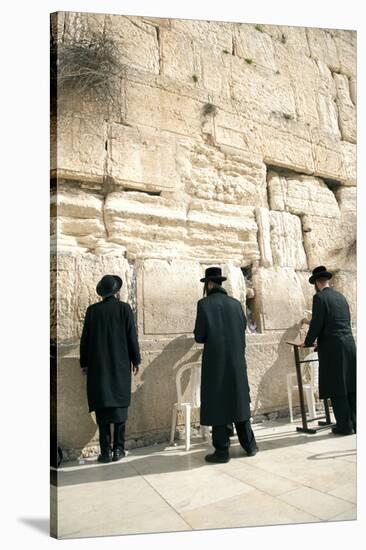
<point x="214" y="457"/>
<point x="337" y="431"/>
<point x="252" y="452"/>
<point x="118" y="454"/>
<point x="105" y="457"/>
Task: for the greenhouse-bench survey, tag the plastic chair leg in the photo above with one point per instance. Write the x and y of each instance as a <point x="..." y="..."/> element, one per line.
<point x="174" y="423"/>
<point x="289" y="393"/>
<point x="188" y="426"/>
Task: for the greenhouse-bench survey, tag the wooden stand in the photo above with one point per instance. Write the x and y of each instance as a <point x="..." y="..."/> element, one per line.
<point x="322" y="425"/>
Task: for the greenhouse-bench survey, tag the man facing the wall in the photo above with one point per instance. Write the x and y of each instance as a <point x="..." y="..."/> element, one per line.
<point x="331" y="326"/>
<point x="220" y="326"/>
<point x="108" y="348"/>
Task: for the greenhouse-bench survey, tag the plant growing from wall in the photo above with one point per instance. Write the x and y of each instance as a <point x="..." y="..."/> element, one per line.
<point x="248" y="60"/>
<point x="209" y="109"/>
<point x="85" y="66"/>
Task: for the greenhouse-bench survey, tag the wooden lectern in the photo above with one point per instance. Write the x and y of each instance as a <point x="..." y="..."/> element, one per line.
<point x="322" y="425"/>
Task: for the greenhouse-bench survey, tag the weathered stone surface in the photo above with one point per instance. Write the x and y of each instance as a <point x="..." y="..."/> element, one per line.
<point x="79" y="148"/>
<point x="217" y="231"/>
<point x="171" y="291"/>
<point x="346" y="52"/>
<point x="288" y="149"/>
<point x="334" y="159"/>
<point x="345" y="281"/>
<point x="346" y="109"/>
<point x="77" y="203"/>
<point x="259" y="90"/>
<point x="250" y="43"/>
<point x="323" y="47"/>
<point x="136" y="41"/>
<point x="279" y="297"/>
<point x="178" y="57"/>
<point x="301" y="195"/>
<point x="226" y="175"/>
<point x="286" y="240"/>
<point x="142" y="158"/>
<point x="329" y="242"/>
<point x="234" y="130"/>
<point x="264" y="236"/>
<point x="158" y="108"/>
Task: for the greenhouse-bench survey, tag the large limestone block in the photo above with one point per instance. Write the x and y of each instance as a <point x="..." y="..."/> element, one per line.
<point x="286" y="240"/>
<point x="216" y="34"/>
<point x="329" y="242"/>
<point x="79" y="26"/>
<point x="78" y="147"/>
<point x="304" y="76"/>
<point x="328" y="115"/>
<point x="137" y="42"/>
<point x="279" y="301"/>
<point x="75" y="279"/>
<point x="347" y="199"/>
<point x="235" y="130"/>
<point x="76" y="427"/>
<point x="142" y="158"/>
<point x="346" y="109"/>
<point x="178" y="57"/>
<point x="334" y="159"/>
<point x="217" y="232"/>
<point x="170" y="294"/>
<point x="323" y="47"/>
<point x="264" y="236"/>
<point x="284" y="147"/>
<point x="235" y="283"/>
<point x="347" y="53"/>
<point x="301" y="195"/>
<point x="146" y="225"/>
<point x="152" y="106"/>
<point x="346" y="282"/>
<point x="260" y="91"/>
<point x="77" y="203"/>
<point x="226" y="175"/>
<point x="294" y="39"/>
<point x="215" y="70"/>
<point x="251" y="43"/>
<point x="269" y="360"/>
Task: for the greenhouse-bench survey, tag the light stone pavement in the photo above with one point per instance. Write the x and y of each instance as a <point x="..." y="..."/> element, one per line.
<point x="295" y="478"/>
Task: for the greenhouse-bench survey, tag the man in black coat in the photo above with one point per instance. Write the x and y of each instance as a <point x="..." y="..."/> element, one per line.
<point x="220" y="326"/>
<point x="108" y="347"/>
<point x="331" y="327"/>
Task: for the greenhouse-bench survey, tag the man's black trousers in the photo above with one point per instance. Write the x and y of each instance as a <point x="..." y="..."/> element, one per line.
<point x="221" y="440"/>
<point x="105" y="439"/>
<point x="344" y="408"/>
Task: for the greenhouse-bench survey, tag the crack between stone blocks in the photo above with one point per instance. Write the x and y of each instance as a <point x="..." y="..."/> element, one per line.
<point x="160" y="50"/>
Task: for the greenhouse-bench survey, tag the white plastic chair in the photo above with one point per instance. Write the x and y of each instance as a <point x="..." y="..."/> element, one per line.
<point x="187" y="401"/>
<point x="309" y="387"/>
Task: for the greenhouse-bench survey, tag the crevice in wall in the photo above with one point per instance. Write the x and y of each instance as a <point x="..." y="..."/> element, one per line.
<point x="333" y="185"/>
<point x="251" y="306"/>
<point x="158" y="38"/>
<point x="135" y="190"/>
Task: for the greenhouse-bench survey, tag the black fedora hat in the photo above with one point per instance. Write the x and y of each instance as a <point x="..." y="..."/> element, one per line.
<point x="109" y="285"/>
<point x="320" y="272"/>
<point x="213" y="274"/>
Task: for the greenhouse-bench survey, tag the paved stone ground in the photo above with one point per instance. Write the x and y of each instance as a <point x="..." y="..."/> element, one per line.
<point x="295" y="478"/>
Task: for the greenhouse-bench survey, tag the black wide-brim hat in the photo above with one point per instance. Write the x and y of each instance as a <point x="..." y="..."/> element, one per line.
<point x="109" y="285"/>
<point x="320" y="272"/>
<point x="213" y="274"/>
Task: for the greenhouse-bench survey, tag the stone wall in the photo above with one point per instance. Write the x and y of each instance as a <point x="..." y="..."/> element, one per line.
<point x="225" y="143"/>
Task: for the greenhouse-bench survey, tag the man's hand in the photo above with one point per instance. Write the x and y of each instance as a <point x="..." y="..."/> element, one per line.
<point x="85" y="371"/>
<point x="135" y="369"/>
<point x="302" y="345"/>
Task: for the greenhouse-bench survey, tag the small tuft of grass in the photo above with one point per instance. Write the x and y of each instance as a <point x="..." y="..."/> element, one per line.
<point x="288" y="116"/>
<point x="248" y="60"/>
<point x="259" y="28"/>
<point x="195" y="78"/>
<point x="225" y="51"/>
<point x="283" y="38"/>
<point x="209" y="109"/>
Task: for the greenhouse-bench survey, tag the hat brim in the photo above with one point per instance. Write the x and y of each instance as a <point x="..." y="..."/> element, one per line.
<point x="118" y="281"/>
<point x="213" y="278"/>
<point x="320" y="275"/>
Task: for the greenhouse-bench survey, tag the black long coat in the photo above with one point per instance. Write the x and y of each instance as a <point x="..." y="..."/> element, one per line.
<point x="331" y="325"/>
<point x="108" y="346"/>
<point x="220" y="326"/>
